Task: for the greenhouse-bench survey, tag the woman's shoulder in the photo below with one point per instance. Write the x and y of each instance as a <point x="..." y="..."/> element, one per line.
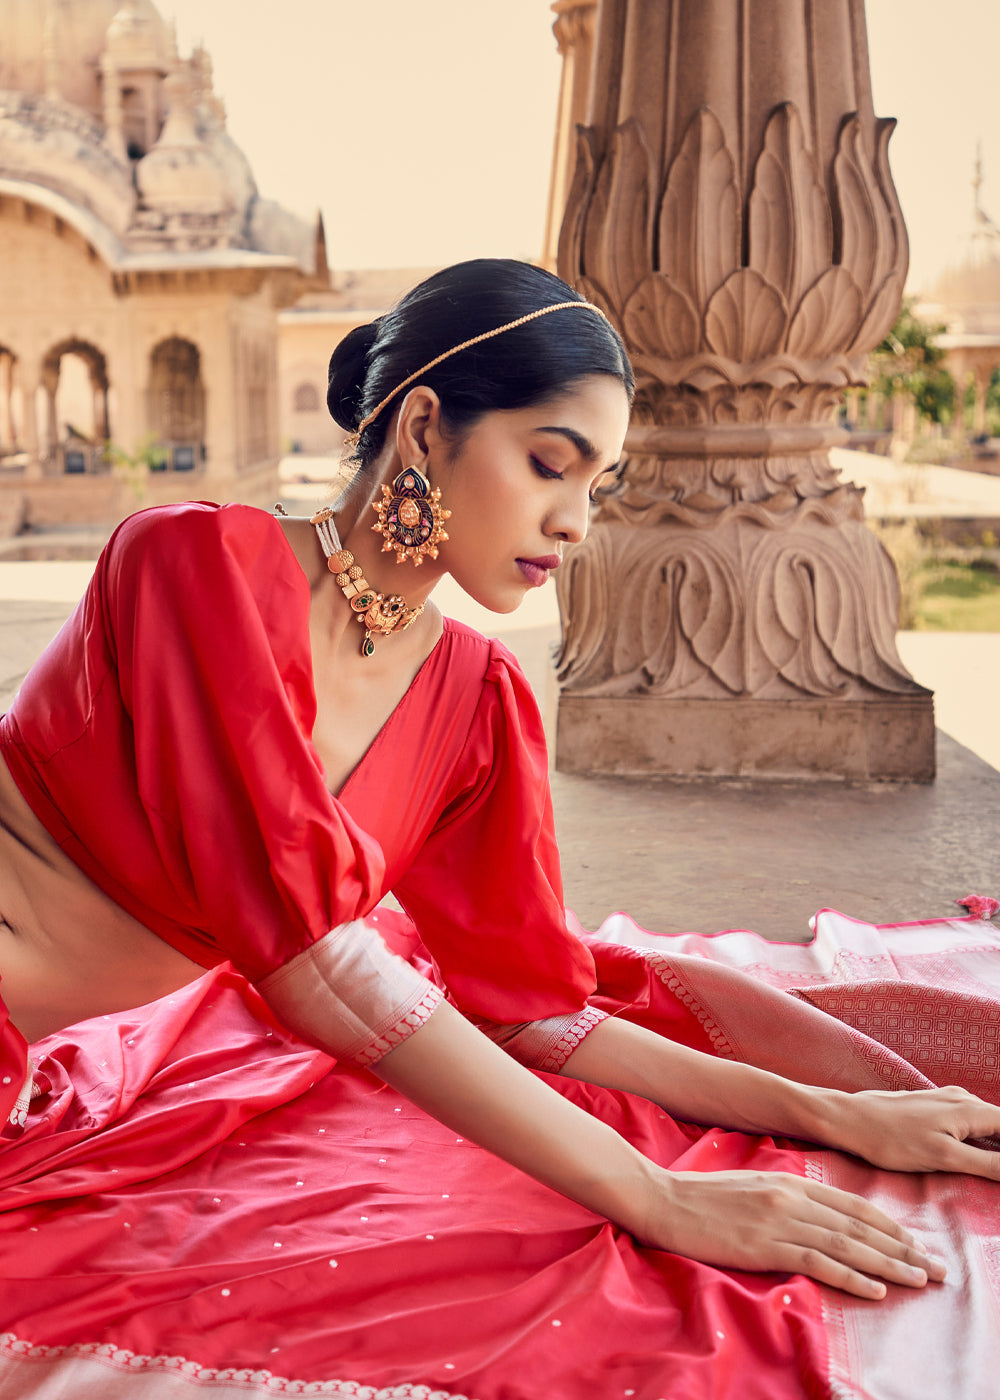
<point x="199" y="521"/>
<point x="470" y="653"/>
<point x="193" y="539"/>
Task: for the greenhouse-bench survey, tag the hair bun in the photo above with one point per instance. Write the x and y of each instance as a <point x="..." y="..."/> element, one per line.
<point x="346" y="380"/>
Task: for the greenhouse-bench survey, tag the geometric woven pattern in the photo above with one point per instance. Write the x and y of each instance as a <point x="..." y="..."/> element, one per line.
<point x="951" y="1037"/>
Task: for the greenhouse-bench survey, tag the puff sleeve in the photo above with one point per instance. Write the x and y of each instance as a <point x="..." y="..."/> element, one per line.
<point x="485" y="889"/>
<point x="164" y="739"/>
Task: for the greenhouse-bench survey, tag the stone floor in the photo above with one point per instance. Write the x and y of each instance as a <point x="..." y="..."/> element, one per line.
<point x="716" y="854"/>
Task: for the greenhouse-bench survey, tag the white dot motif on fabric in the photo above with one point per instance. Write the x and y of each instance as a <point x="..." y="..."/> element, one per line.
<point x="786" y="1299"/>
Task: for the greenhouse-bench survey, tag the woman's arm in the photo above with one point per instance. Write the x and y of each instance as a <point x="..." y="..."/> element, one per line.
<point x="923" y="1130"/>
<point x="746" y="1220"/>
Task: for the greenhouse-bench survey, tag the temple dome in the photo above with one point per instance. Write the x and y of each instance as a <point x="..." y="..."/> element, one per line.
<point x="138" y="38"/>
<point x="180" y="173"/>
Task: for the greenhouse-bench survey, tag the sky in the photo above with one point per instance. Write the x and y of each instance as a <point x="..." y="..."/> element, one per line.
<point x="423" y="128"/>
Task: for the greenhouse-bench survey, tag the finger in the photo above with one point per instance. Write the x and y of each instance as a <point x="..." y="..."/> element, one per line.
<point x="869" y="1257"/>
<point x="872" y="1230"/>
<point x="815" y="1264"/>
<point x="845" y="1203"/>
<point x="973" y="1161"/>
<point x="868" y="1250"/>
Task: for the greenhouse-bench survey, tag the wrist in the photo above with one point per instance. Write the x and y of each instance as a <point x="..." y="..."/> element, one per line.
<point x="632" y="1196"/>
<point x="825" y="1115"/>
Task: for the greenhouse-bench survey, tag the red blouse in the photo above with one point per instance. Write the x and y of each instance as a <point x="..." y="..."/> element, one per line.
<point x="164" y="740"/>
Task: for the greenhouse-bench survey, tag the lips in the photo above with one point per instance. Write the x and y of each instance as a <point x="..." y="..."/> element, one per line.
<point x="536" y="571"/>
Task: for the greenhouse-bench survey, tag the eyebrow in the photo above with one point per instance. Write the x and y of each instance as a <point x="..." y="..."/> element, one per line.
<point x="583" y="445"/>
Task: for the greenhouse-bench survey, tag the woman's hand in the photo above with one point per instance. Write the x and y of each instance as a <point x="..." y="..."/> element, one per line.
<point x="771" y="1220"/>
<point x="921" y="1130"/>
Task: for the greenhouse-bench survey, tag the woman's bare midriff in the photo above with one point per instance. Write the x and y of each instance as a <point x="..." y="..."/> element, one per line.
<point x="67" y="951"/>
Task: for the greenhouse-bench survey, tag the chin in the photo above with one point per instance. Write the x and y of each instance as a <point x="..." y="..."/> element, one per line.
<point x="499" y="601"/>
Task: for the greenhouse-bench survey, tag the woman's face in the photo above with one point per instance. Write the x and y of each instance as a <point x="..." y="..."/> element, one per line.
<point x="519" y="487"/>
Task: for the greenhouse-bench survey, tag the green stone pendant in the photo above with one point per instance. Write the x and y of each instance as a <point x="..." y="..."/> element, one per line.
<point x="367" y="646"/>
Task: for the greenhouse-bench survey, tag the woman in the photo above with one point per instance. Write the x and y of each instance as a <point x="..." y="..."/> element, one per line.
<point x="166" y="801"/>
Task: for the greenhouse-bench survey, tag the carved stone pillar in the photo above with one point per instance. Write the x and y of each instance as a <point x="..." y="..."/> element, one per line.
<point x="733" y="211"/>
<point x="574" y="31"/>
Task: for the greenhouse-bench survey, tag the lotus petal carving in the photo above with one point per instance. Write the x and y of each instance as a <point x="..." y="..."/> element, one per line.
<point x="867" y="244"/>
<point x="659" y="319"/>
<point x="578" y="203"/>
<point x="880" y="315"/>
<point x="700" y="215"/>
<point x="746" y="318"/>
<point x="790" y="223"/>
<point x="828" y="316"/>
<point x="900" y="254"/>
<point x="614" y="249"/>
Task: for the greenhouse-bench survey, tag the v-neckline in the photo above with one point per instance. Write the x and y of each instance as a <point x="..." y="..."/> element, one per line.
<point x="378" y="737"/>
<point x="390" y="718"/>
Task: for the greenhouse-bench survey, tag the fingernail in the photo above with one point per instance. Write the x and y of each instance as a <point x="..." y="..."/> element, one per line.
<point x="917" y="1275"/>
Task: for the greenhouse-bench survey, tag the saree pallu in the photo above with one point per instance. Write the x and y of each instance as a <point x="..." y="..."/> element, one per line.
<point x="198" y="1204"/>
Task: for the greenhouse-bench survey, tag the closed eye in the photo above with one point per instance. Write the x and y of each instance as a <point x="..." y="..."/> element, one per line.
<point x="547" y="473"/>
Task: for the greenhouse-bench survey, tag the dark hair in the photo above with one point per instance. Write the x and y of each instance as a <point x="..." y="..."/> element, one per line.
<point x="520" y="367"/>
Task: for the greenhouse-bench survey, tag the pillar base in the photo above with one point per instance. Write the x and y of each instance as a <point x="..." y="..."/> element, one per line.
<point x="887" y="738"/>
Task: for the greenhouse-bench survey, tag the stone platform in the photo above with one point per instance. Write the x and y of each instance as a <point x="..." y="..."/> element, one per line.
<point x="717" y="853"/>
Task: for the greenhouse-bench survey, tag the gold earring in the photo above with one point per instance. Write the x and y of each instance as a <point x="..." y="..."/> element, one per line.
<point x="410" y="517"/>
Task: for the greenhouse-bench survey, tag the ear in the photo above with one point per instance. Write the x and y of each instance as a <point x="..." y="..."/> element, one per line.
<point x="418" y="429"/>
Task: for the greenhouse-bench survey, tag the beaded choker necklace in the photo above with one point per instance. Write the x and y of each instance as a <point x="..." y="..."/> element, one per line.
<point x="375" y="611"/>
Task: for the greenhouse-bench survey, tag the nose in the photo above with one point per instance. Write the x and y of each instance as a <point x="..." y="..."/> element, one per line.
<point x="570" y="516"/>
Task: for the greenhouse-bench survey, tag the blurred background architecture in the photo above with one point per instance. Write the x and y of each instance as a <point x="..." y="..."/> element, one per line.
<point x="142" y="272"/>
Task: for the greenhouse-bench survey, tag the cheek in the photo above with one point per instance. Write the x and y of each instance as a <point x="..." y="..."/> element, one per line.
<point x="487" y="504"/>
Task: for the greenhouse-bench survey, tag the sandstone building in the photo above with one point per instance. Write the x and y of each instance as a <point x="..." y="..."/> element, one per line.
<point x="141" y="272"/>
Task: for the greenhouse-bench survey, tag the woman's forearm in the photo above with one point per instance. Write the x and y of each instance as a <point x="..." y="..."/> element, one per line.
<point x="458" y="1076"/>
<point x="746" y="1220"/>
<point x="700" y="1088"/>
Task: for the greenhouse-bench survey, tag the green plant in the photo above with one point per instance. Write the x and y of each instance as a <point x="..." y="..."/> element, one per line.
<point x="133" y="468"/>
